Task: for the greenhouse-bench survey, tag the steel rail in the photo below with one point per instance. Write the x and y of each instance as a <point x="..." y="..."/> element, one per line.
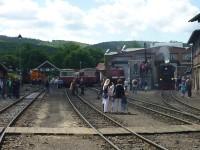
<point x="16" y="117"/>
<point x="165" y="108"/>
<point x="125" y="128"/>
<point x="155" y="111"/>
<point x="177" y="99"/>
<point x="17" y="101"/>
<point x="164" y="96"/>
<point x="96" y="130"/>
<point x="160" y="113"/>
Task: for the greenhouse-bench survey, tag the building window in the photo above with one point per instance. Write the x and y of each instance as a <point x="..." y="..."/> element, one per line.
<point x="186" y="57"/>
<point x="173" y="56"/>
<point x="139" y="57"/>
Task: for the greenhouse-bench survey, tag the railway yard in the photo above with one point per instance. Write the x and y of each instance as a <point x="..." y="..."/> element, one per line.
<point x="59" y="121"/>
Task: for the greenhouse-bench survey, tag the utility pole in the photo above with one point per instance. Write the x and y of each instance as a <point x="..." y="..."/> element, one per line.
<point x="145" y="52"/>
<point x="80" y="64"/>
<point x="20" y="63"/>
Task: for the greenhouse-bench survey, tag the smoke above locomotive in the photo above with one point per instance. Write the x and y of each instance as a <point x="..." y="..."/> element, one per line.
<point x="163" y="54"/>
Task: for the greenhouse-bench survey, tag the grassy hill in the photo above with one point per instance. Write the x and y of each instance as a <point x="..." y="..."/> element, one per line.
<point x="116" y="45"/>
<point x="8" y="44"/>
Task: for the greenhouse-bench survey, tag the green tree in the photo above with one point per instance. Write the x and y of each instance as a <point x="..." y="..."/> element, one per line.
<point x="33" y="58"/>
<point x="10" y="61"/>
<point x="73" y="59"/>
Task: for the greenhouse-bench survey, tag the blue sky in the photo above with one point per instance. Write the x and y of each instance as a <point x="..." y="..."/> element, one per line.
<point x="94" y="21"/>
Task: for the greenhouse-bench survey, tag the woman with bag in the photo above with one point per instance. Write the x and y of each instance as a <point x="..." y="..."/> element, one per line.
<point x="119" y="94"/>
<point x="111" y="98"/>
<point x="105" y="97"/>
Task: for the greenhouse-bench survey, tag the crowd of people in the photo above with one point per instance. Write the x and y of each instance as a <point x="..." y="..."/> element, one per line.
<point x="114" y="97"/>
<point x="9" y="88"/>
<point x="76" y="84"/>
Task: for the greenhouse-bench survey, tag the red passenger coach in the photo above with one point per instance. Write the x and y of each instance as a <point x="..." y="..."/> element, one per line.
<point x="88" y="75"/>
<point x="67" y="75"/>
<point x="116" y="73"/>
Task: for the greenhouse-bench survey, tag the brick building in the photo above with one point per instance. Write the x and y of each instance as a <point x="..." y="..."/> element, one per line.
<point x="131" y="60"/>
<point x="195" y="41"/>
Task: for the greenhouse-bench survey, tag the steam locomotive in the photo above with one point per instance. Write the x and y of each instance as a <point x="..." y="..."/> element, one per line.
<point x="166" y="76"/>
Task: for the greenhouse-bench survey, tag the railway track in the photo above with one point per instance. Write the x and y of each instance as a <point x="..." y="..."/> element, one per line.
<point x="172" y="115"/>
<point x="175" y="103"/>
<point x="196" y="110"/>
<point x="10" y="113"/>
<point x="26" y="90"/>
<point x="96" y="120"/>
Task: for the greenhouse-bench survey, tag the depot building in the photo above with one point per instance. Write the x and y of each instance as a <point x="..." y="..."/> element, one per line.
<point x="143" y="63"/>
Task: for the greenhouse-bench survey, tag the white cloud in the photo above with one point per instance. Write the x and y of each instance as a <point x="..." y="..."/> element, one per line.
<point x="110" y="20"/>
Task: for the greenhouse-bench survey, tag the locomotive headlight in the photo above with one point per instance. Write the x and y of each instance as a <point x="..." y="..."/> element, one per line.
<point x="172" y="78"/>
<point x="160" y="79"/>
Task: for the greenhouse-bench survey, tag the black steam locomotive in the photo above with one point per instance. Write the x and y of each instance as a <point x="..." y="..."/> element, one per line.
<point x="166" y="76"/>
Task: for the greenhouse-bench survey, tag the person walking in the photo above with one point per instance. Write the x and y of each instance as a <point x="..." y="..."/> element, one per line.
<point x="16" y="88"/>
<point x="124" y="102"/>
<point x="82" y="86"/>
<point x="73" y="87"/>
<point x="111" y="89"/>
<point x="183" y="88"/>
<point x="47" y="85"/>
<point x="105" y="97"/>
<point x="9" y="88"/>
<point x="135" y="85"/>
<point x="126" y="84"/>
<point x="100" y="92"/>
<point x="189" y="87"/>
<point x="118" y="94"/>
<point x="1" y="87"/>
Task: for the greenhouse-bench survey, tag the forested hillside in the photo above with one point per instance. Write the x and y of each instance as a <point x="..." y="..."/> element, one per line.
<point x="19" y="53"/>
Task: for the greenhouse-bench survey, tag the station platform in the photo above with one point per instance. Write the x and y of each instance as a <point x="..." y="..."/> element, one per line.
<point x="105" y="131"/>
<point x="42" y="95"/>
<point x="50" y="131"/>
<point x="33" y="95"/>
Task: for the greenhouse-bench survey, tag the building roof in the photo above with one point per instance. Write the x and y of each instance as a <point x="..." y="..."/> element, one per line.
<point x="132" y="49"/>
<point x="3" y="67"/>
<point x="125" y="50"/>
<point x="47" y="63"/>
<point x="100" y="66"/>
<point x="195" y="18"/>
<point x="195" y="34"/>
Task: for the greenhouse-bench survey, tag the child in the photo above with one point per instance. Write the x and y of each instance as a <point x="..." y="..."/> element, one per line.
<point x="124" y="103"/>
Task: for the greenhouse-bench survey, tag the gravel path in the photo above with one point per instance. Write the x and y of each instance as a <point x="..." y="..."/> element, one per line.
<point x="51" y="111"/>
<point x="177" y="141"/>
<point x="135" y="118"/>
<point x="39" y="142"/>
<point x="153" y="96"/>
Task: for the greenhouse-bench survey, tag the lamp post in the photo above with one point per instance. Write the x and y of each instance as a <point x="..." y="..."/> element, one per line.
<point x="145" y="52"/>
<point x="20" y="65"/>
<point x="191" y="47"/>
<point x="80" y="64"/>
